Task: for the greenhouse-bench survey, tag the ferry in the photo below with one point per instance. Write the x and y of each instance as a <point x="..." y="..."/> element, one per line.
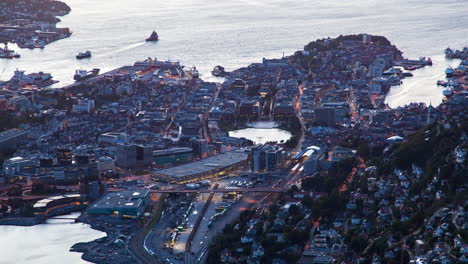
<point x="154" y="37"/>
<point x="6" y="53"/>
<point x="82" y="55"/>
<point x="39" y="79"/>
<point x="83" y="74"/>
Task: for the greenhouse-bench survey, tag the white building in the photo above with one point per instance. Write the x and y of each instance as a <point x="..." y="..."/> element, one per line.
<point x="18" y="165"/>
<point x="105" y="164"/>
<point x="84" y="106"/>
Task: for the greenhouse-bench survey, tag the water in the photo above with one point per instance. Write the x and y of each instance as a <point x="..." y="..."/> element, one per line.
<point x="45" y="243"/>
<point x="262" y="132"/>
<point x="236" y="33"/>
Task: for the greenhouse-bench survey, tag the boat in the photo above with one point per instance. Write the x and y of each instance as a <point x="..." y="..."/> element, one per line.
<point x="82" y="55"/>
<point x="40" y="79"/>
<point x="154" y="37"/>
<point x="447" y="92"/>
<point x="219" y="71"/>
<point x="407" y="74"/>
<point x="83" y="74"/>
<point x="449" y="52"/>
<point x="392" y="71"/>
<point x="412" y="67"/>
<point x="195" y="73"/>
<point x="449" y="72"/>
<point x="6" y="53"/>
<point x="441" y="83"/>
<point x="429" y="61"/>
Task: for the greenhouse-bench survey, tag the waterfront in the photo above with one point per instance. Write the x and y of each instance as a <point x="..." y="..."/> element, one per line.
<point x="261" y="133"/>
<point x="235" y="34"/>
<point x="45" y="243"/>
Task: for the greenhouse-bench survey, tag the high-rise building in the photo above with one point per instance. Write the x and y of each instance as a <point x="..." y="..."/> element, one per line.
<point x="200" y="148"/>
<point x="64" y="156"/>
<point x="267" y="158"/>
<point x="132" y="156"/>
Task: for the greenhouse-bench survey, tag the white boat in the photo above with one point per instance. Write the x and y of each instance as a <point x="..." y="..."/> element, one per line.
<point x="447" y="92"/>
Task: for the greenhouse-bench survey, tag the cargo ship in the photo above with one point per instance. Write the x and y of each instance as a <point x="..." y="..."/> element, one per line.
<point x="6" y="53"/>
<point x="82" y="55"/>
<point x="154" y="37"/>
<point x="83" y="74"/>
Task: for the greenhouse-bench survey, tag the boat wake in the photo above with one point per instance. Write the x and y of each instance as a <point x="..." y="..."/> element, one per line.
<point x="116" y="51"/>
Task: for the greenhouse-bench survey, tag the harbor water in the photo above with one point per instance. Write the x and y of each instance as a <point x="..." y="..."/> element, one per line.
<point x="45" y="243"/>
<point x="236" y="33"/>
<point x="262" y="132"/>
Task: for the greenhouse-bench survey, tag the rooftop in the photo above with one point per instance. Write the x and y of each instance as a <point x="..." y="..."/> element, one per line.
<point x="121" y="200"/>
<point x="171" y="151"/>
<point x="205" y="165"/>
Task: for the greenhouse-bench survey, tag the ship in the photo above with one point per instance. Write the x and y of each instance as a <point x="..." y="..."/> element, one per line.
<point x="154" y="37"/>
<point x="449" y="52"/>
<point x="219" y="71"/>
<point x="6" y="53"/>
<point x="83" y="74"/>
<point x="82" y="55"/>
<point x="40" y="79"/>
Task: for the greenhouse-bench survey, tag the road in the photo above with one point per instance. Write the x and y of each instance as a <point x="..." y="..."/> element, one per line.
<point x="137" y="245"/>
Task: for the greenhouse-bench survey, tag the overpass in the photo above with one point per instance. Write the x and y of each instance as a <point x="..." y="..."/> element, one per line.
<point x="224" y="190"/>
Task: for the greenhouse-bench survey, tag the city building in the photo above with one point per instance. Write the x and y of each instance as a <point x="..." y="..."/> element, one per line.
<point x="9" y="139"/>
<point x="200" y="148"/>
<point x="83" y="106"/>
<point x="325" y="116"/>
<point x="164" y="157"/>
<point x="112" y="138"/>
<point x="105" y="164"/>
<point x="64" y="156"/>
<point x="131" y="156"/>
<point x="123" y="204"/>
<point x="214" y="166"/>
<point x="19" y="165"/>
<point x="340" y="153"/>
<point x="267" y="158"/>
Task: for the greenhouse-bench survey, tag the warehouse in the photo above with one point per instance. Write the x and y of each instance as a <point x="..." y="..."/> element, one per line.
<point x="124" y="204"/>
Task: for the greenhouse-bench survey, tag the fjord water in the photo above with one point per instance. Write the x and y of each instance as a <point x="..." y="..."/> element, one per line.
<point x="232" y="33"/>
<point x="45" y="243"/>
<point x="235" y="33"/>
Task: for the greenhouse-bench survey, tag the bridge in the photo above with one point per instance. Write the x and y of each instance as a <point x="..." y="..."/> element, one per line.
<point x="224" y="190"/>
